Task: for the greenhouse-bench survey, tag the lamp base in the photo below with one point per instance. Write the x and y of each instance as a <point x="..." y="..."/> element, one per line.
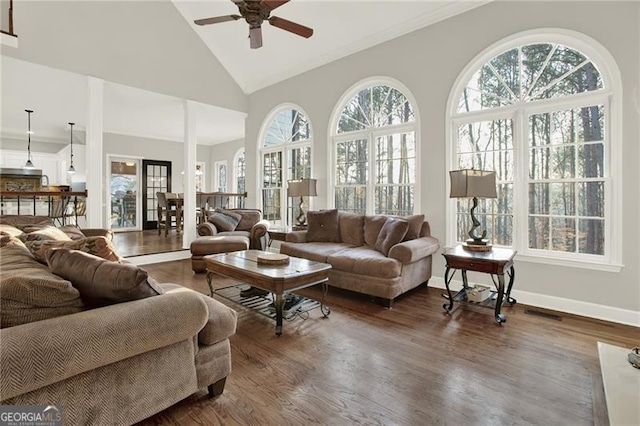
<point x="470" y="246"/>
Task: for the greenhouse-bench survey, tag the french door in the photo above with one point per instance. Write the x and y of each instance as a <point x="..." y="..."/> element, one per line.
<point x="156" y="177"/>
<point x="124" y="185"/>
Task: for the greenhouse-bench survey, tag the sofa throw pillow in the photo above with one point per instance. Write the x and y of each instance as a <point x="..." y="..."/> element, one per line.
<point x="10" y="240"/>
<point x="223" y="222"/>
<point x="99" y="281"/>
<point x="10" y="230"/>
<point x="372" y="227"/>
<point x="415" y="226"/>
<point x="351" y="228"/>
<point x="323" y="226"/>
<point x="43" y="233"/>
<point x="392" y="233"/>
<point x="30" y="292"/>
<point x="98" y="246"/>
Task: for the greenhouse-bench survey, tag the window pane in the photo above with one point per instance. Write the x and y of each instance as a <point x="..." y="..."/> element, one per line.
<point x="563" y="234"/>
<point x="539" y="233"/>
<point x="591" y="160"/>
<point x="352" y="162"/>
<point x="352" y="199"/>
<point x="395" y="159"/>
<point x="375" y="106"/>
<point x="396" y="200"/>
<point x="591" y="236"/>
<point x="591" y="199"/>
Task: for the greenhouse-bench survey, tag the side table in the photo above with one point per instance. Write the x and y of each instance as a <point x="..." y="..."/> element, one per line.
<point x="495" y="262"/>
<point x="279" y="234"/>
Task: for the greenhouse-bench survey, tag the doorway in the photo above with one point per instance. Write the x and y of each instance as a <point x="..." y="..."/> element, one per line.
<point x="124" y="183"/>
<point x="156" y="177"/>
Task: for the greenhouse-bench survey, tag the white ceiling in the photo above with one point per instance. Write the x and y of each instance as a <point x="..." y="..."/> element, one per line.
<point x="340" y="29"/>
<point x="58" y="97"/>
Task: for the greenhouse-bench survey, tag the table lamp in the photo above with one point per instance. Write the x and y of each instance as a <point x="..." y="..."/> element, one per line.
<point x="301" y="188"/>
<point x="471" y="183"/>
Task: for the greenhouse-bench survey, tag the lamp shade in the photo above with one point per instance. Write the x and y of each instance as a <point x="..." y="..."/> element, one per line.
<point x="470" y="183"/>
<point x="302" y="188"/>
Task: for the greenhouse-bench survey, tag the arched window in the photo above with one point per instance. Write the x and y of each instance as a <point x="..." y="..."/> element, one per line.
<point x="239" y="171"/>
<point x="374" y="150"/>
<point x="286" y="155"/>
<point x="537" y="110"/>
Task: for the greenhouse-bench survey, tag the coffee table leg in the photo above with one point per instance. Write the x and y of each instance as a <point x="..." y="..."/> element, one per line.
<point x="209" y="278"/>
<point x="279" y="303"/>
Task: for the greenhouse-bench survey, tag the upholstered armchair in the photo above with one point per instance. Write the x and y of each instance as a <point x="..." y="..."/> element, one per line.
<point x="249" y="224"/>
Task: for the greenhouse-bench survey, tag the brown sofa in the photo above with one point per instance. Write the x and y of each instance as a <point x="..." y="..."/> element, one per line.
<point x="116" y="364"/>
<point x="21" y="222"/>
<point x="349" y="246"/>
<point x="251" y="226"/>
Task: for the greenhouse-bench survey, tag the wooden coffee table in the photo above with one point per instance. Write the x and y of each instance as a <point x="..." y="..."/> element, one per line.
<point x="277" y="279"/>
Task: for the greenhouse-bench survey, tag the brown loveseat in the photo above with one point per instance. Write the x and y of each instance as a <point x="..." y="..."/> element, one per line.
<point x="355" y="246"/>
<point x="116" y="364"/>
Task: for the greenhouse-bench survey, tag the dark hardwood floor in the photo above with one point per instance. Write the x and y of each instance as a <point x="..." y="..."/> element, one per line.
<point x="137" y="243"/>
<point x="410" y="365"/>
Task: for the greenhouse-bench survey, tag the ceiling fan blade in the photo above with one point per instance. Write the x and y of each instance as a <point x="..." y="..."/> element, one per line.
<point x="255" y="37"/>
<point x="217" y="19"/>
<point x="272" y="4"/>
<point x="292" y="27"/>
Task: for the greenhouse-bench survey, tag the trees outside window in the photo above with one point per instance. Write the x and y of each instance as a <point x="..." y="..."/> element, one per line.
<point x="374" y="151"/>
<point x="286" y="155"/>
<point x="538" y="115"/>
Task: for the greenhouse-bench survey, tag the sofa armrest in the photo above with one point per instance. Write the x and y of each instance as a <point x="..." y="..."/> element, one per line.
<point x="413" y="250"/>
<point x="45" y="352"/>
<point x="296" y="237"/>
<point x="257" y="234"/>
<point x="222" y="320"/>
<point x="207" y="229"/>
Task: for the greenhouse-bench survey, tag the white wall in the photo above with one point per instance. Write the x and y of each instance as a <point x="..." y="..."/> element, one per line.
<point x="144" y="44"/>
<point x="224" y="152"/>
<point x="427" y="62"/>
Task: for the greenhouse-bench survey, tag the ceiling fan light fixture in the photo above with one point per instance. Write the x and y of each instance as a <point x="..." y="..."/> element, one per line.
<point x="255" y="12"/>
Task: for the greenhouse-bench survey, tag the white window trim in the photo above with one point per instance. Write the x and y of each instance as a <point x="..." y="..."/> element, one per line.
<point x="235" y="173"/>
<point x="611" y="97"/>
<point x="285" y="148"/>
<point x="369" y="134"/>
<point x="216" y="175"/>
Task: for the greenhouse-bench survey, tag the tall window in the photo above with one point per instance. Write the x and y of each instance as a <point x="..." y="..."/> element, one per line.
<point x="374" y="149"/>
<point x="240" y="170"/>
<point x="538" y="114"/>
<point x="286" y="155"/>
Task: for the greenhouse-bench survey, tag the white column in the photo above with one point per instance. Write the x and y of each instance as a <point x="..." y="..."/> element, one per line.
<point x="190" y="139"/>
<point x="96" y="181"/>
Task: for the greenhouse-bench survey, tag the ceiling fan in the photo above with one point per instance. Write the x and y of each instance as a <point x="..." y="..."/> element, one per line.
<point x="255" y="12"/>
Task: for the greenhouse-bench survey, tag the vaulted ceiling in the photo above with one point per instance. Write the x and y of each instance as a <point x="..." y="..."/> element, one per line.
<point x="152" y="56"/>
<point x="340" y="29"/>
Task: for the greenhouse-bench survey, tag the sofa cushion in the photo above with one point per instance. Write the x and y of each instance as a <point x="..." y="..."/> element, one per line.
<point x="224" y="222"/>
<point x="9" y="230"/>
<point x="249" y="218"/>
<point x="391" y="233"/>
<point x="317" y="251"/>
<point x="98" y="246"/>
<point x="415" y="226"/>
<point x="10" y="240"/>
<point x="323" y="226"/>
<point x="41" y="233"/>
<point x="30" y="292"/>
<point x="365" y="261"/>
<point x="99" y="281"/>
<point x="372" y="227"/>
<point x="351" y="228"/>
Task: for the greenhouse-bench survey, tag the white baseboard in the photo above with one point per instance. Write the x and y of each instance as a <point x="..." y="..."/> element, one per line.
<point x="159" y="257"/>
<point x="570" y="306"/>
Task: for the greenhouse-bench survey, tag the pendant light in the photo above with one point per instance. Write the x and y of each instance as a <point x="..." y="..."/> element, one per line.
<point x="29" y="163"/>
<point x="72" y="169"/>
